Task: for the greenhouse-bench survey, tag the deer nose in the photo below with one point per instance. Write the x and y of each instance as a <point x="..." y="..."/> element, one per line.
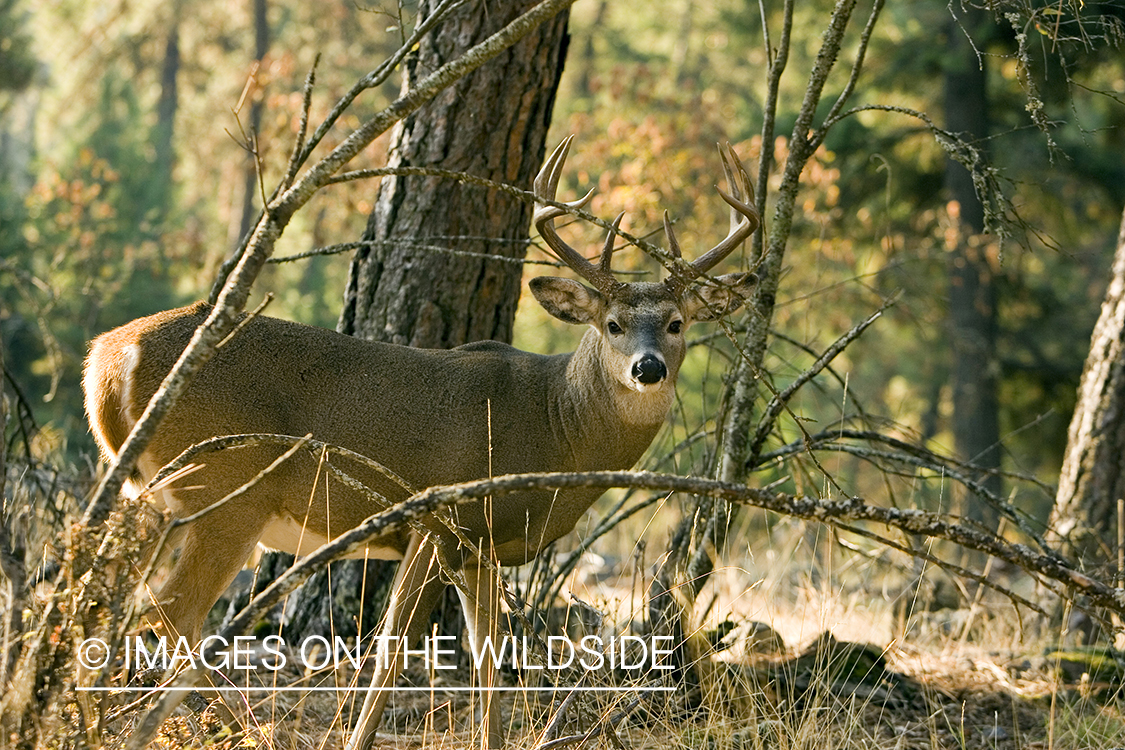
<point x="649" y="370"/>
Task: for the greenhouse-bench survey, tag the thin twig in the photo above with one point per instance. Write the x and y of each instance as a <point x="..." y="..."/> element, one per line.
<point x="779" y="401"/>
<point x="177" y="522"/>
<point x="295" y="159"/>
<point x="225" y="442"/>
<point x="857" y="66"/>
<point x="379" y="75"/>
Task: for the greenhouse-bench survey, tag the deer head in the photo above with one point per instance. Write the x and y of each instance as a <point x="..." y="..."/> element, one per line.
<point x="640" y="326"/>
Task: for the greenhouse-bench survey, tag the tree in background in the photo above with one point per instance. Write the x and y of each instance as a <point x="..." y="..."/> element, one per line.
<point x="1087" y="509"/>
<point x="871" y="213"/>
<point x="253" y="126"/>
<point x="972" y="272"/>
<point x="974" y="307"/>
<point x="124" y="170"/>
<point x="89" y="225"/>
<point x="17" y="63"/>
<point x="17" y="70"/>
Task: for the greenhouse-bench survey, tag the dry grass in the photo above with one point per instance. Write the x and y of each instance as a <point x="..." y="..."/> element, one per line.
<point x="952" y="692"/>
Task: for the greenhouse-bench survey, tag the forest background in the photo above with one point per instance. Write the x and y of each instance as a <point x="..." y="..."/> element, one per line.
<point x="126" y="181"/>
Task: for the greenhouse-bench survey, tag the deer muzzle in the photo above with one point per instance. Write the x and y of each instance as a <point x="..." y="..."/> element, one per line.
<point x="649" y="370"/>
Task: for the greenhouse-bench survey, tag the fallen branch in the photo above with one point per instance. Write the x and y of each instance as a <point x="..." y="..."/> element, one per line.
<point x="834" y="512"/>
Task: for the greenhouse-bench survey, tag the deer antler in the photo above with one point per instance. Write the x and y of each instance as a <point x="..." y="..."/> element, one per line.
<point x="546" y="185"/>
<point x="744" y="219"/>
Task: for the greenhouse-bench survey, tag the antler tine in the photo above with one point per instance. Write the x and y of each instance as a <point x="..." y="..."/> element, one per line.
<point x="607" y="251"/>
<point x="744" y="219"/>
<point x="673" y="244"/>
<point x="729" y="173"/>
<point x="546" y="186"/>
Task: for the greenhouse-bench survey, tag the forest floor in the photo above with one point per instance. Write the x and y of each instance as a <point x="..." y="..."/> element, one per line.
<point x="817" y="666"/>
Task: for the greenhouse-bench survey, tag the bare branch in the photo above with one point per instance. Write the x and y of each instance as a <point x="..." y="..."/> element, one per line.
<point x="743" y="392"/>
<point x="778" y="402"/>
<point x="956" y="570"/>
<point x="909" y="448"/>
<point x="769" y="117"/>
<point x="664" y="257"/>
<point x="377" y="76"/>
<point x="1013" y="514"/>
<point x="295" y="158"/>
<point x="227" y="442"/>
<point x="857" y="66"/>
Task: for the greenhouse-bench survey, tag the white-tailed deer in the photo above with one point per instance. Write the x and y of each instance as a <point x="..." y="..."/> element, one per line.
<point x="432" y="416"/>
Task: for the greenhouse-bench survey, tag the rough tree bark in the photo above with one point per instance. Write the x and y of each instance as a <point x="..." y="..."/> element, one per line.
<point x="492" y="124"/>
<point x="972" y="291"/>
<point x="1093" y="472"/>
<point x="409" y="285"/>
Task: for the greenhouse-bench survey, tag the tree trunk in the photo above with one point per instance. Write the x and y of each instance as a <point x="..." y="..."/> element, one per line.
<point x="1093" y="472"/>
<point x="166" y="118"/>
<point x="410" y="286"/>
<point x="587" y="62"/>
<point x="682" y="63"/>
<point x="254" y="124"/>
<point x="492" y="124"/>
<point x="972" y="292"/>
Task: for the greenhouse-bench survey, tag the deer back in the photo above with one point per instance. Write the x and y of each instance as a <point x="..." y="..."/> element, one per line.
<point x="431" y="416"/>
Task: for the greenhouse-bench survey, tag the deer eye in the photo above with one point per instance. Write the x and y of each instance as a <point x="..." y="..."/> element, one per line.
<point x="675" y="326"/>
<point x="612" y="327"/>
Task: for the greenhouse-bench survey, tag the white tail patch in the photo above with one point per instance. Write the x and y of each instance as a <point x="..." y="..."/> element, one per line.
<point x="131" y="357"/>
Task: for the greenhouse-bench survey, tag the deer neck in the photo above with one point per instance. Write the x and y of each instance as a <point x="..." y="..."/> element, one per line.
<point x="612" y="424"/>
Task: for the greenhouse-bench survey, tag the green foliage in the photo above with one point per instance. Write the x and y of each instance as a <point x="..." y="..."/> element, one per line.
<point x="89" y="252"/>
<point x="99" y="228"/>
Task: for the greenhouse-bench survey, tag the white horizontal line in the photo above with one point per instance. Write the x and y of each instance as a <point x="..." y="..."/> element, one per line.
<point x="378" y="690"/>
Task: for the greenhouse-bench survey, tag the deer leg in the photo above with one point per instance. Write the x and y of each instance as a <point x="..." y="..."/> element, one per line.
<point x="215" y="548"/>
<point x="481" y="603"/>
<point x="416" y="591"/>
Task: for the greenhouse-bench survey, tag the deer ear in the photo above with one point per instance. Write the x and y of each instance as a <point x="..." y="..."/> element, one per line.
<point x="568" y="300"/>
<point x="708" y="302"/>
